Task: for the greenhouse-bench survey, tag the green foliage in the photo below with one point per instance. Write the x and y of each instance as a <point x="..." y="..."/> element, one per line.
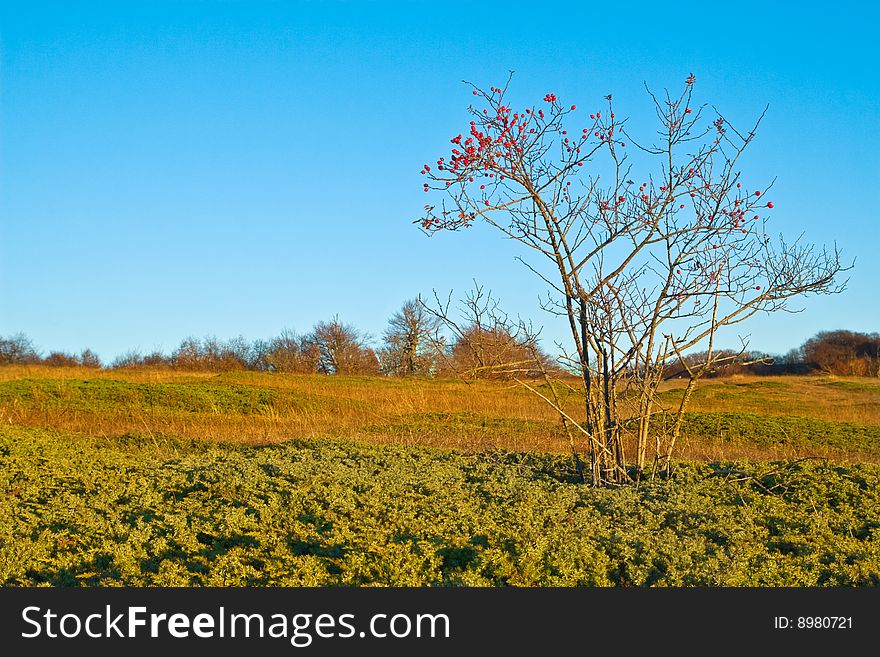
<point x="76" y="510"/>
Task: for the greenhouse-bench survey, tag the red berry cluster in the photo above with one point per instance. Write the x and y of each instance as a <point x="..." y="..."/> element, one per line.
<point x="500" y="143"/>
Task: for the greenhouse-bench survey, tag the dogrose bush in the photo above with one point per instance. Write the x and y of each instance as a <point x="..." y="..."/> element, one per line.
<point x="413" y="345"/>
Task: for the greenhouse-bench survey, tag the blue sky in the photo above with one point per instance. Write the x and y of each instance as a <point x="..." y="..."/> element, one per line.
<point x="193" y="168"/>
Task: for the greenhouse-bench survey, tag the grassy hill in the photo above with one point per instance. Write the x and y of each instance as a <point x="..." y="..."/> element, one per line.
<point x="756" y="418"/>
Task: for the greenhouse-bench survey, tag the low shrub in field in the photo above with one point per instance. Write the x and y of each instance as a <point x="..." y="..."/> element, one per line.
<point x="133" y="511"/>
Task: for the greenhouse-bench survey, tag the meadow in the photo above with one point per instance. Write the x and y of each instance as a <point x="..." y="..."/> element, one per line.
<point x="162" y="477"/>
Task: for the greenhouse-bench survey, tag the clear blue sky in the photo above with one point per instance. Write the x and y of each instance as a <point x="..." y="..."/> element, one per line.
<point x="191" y="168"/>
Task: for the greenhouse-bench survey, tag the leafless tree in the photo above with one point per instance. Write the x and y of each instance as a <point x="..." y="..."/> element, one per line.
<point x="127" y="360"/>
<point x="61" y="359"/>
<point x="290" y="352"/>
<point x="213" y="354"/>
<point x="89" y="358"/>
<point x="642" y="268"/>
<point x="725" y="362"/>
<point x="408" y="348"/>
<point x="484" y="341"/>
<point x="188" y="355"/>
<point x="844" y="352"/>
<point x="342" y="349"/>
<point x="18" y="350"/>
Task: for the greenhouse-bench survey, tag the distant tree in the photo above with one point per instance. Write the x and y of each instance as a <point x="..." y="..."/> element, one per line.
<point x="89" y="358"/>
<point x="259" y="356"/>
<point x="724" y="362"/>
<point x="212" y="354"/>
<point x="846" y="353"/>
<point x="409" y="341"/>
<point x="134" y="359"/>
<point x="291" y="353"/>
<point x="485" y="342"/>
<point x="342" y="349"/>
<point x="127" y="360"/>
<point x="18" y="350"/>
<point x="496" y="352"/>
<point x="234" y="354"/>
<point x="155" y="359"/>
<point x="61" y="359"/>
<point x="188" y="355"/>
<point x="793" y="358"/>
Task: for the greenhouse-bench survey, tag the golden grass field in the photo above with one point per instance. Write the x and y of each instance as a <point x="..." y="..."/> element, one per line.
<point x="262" y="408"/>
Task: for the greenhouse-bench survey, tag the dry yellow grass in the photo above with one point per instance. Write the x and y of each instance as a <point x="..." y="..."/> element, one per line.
<point x="829" y="398"/>
<point x="450" y="414"/>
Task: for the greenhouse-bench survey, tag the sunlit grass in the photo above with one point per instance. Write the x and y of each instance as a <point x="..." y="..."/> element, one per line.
<point x="740" y="417"/>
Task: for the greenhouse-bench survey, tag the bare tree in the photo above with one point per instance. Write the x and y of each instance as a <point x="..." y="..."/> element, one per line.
<point x="130" y="359"/>
<point x="342" y="349"/>
<point x="18" y="350"/>
<point x="485" y="342"/>
<point x="89" y="358"/>
<point x="290" y="352"/>
<point x="188" y="355"/>
<point x="642" y="268"/>
<point x="844" y="352"/>
<point x="213" y="354"/>
<point x="61" y="359"/>
<point x="408" y="347"/>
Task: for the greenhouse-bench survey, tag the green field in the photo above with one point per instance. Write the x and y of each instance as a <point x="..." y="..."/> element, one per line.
<point x="95" y="511"/>
<point x="128" y="507"/>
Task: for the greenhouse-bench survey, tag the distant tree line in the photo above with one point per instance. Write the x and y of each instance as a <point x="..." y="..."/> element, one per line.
<point x="416" y="342"/>
<point x="18" y="349"/>
<point x="840" y="352"/>
<point x="843" y="352"/>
